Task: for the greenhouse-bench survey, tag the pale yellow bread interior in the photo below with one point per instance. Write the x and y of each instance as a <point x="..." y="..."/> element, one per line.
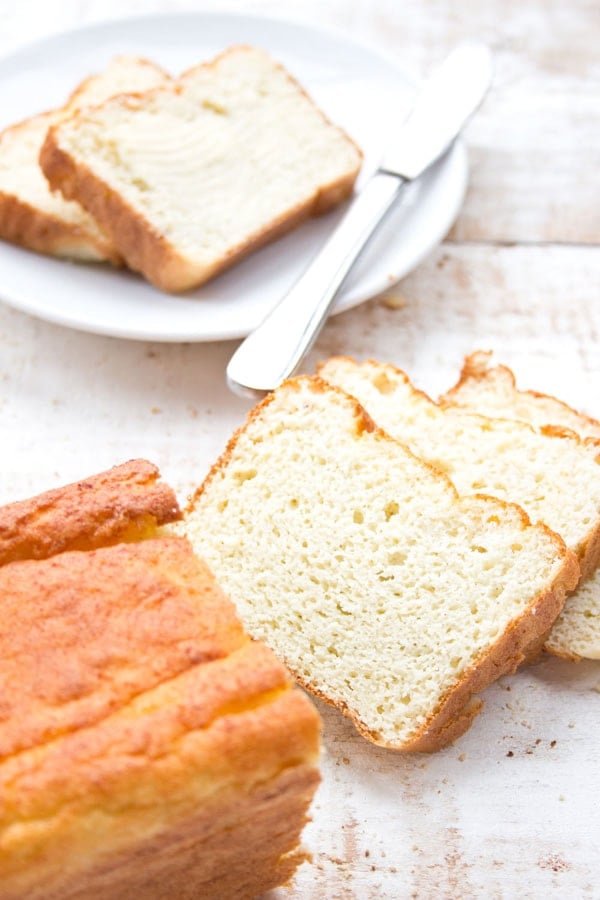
<point x="188" y="178"/>
<point x="31" y="214"/>
<point x="357" y="563"/>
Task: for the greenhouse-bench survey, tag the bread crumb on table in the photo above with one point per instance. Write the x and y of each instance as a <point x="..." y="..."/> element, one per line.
<point x="394" y="301"/>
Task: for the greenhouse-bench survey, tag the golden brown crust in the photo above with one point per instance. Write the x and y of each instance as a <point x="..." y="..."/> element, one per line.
<point x="33" y="228"/>
<point x="29" y="227"/>
<point x="124" y="503"/>
<point x="156" y="751"/>
<point x="104" y="625"/>
<point x="503" y="658"/>
<point x="241" y="849"/>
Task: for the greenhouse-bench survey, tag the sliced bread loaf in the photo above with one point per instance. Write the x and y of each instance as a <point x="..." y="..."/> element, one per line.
<point x="148" y="747"/>
<point x="492" y="390"/>
<point x="552" y="474"/>
<point x="30" y="213"/>
<point x="188" y="178"/>
<point x="385" y="593"/>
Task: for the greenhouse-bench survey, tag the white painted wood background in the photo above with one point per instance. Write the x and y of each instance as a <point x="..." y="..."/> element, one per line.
<point x="513" y="809"/>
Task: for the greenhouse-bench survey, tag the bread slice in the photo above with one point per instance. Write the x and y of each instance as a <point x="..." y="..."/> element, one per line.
<point x="492" y="391"/>
<point x="551" y="473"/>
<point x="385" y="593"/>
<point x="148" y="747"/>
<point x="188" y="178"/>
<point x="488" y="389"/>
<point x="125" y="503"/>
<point x="30" y="213"/>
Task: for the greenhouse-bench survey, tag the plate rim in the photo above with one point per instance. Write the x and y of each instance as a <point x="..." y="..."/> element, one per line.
<point x="457" y="151"/>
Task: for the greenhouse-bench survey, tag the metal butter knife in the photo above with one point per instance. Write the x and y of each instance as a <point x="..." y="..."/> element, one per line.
<point x="275" y="349"/>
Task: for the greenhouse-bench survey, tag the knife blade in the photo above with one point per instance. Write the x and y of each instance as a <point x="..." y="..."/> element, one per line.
<point x="275" y="349"/>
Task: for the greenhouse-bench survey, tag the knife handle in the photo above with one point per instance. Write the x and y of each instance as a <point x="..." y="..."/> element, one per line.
<point x="275" y="349"/>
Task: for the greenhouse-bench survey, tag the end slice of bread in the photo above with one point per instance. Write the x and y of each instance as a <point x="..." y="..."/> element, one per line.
<point x="189" y="178"/>
<point x="385" y="593"/>
<point x="492" y="390"/>
<point x="551" y="473"/>
<point x="30" y="213"/>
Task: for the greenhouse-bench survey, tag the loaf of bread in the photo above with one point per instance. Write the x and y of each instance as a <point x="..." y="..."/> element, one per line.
<point x="124" y="504"/>
<point x="30" y="213"/>
<point x="551" y="473"/>
<point x="188" y="178"/>
<point x="148" y="747"/>
<point x="488" y="389"/>
<point x="385" y="593"/>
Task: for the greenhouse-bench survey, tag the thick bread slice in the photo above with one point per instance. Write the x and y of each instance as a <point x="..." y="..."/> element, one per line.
<point x="551" y="473"/>
<point x="189" y="178"/>
<point x="126" y="503"/>
<point x="386" y="594"/>
<point x="30" y="213"/>
<point x="492" y="390"/>
<point x="148" y="748"/>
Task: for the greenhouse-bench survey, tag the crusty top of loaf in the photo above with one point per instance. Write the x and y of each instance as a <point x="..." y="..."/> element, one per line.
<point x="384" y="592"/>
<point x="124" y="503"/>
<point x="131" y="701"/>
<point x="82" y="633"/>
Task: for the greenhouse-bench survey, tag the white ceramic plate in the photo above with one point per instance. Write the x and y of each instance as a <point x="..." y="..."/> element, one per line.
<point x="364" y="92"/>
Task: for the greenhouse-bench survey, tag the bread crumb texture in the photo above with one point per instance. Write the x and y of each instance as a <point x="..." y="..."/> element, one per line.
<point x="359" y="565"/>
<point x="187" y="178"/>
<point x="553" y="473"/>
<point x="33" y="215"/>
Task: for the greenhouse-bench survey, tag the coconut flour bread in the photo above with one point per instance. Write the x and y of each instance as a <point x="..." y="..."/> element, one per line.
<point x="385" y="593"/>
<point x="125" y="503"/>
<point x="554" y="476"/>
<point x="492" y="390"/>
<point x="148" y="747"/>
<point x="30" y="213"/>
<point x="484" y="388"/>
<point x="188" y="178"/>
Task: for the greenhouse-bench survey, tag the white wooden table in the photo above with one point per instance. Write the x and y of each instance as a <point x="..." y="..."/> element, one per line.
<point x="513" y="809"/>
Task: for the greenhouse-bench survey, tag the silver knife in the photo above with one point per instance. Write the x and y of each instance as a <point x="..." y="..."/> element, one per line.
<point x="275" y="349"/>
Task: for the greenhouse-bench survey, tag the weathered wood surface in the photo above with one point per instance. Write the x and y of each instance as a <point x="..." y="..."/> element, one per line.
<point x="511" y="810"/>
